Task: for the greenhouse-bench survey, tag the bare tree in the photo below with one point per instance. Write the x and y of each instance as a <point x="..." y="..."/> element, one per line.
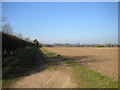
<point x="27" y="39"/>
<point x="2" y="19"/>
<point x="7" y="29"/>
<point x="20" y="36"/>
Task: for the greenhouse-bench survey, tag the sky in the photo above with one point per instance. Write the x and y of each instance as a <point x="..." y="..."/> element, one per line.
<point x="64" y="22"/>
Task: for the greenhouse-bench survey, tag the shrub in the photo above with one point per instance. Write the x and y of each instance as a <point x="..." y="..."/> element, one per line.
<point x="100" y="46"/>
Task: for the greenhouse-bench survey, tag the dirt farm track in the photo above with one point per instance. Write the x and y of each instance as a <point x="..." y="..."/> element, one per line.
<point x="103" y="60"/>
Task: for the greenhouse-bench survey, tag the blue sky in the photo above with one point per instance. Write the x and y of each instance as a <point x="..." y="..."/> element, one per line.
<point x="64" y="22"/>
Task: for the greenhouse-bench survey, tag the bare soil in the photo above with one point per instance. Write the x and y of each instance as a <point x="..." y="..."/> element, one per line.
<point x="102" y="60"/>
<point x="56" y="75"/>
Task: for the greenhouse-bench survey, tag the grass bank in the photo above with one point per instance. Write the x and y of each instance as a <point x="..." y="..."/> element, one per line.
<point x="19" y="65"/>
<point x="85" y="77"/>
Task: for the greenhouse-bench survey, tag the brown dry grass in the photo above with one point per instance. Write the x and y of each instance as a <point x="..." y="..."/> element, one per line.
<point x="102" y="60"/>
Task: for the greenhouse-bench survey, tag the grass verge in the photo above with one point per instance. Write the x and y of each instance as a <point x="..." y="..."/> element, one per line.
<point x="85" y="77"/>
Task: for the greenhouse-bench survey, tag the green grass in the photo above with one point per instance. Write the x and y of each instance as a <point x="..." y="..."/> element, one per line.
<point x="91" y="79"/>
<point x="100" y="46"/>
<point x="58" y="56"/>
<point x="85" y="77"/>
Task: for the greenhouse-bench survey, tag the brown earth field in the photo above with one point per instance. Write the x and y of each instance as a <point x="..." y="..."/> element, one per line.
<point x="103" y="59"/>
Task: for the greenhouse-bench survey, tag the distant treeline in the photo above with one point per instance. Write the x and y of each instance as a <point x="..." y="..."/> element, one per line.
<point x="80" y="45"/>
<point x="11" y="43"/>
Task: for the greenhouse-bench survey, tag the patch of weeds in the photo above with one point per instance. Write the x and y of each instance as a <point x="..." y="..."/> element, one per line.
<point x="48" y="61"/>
<point x="66" y="60"/>
<point x="8" y="82"/>
<point x="53" y="68"/>
<point x="58" y="56"/>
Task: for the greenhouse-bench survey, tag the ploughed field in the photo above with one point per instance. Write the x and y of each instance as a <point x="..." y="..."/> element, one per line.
<point x="103" y="60"/>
